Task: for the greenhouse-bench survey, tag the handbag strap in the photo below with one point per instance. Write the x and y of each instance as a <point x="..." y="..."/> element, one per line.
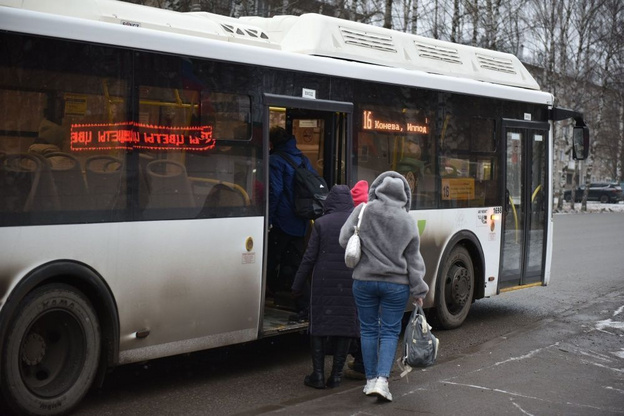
<point x="360" y="216"/>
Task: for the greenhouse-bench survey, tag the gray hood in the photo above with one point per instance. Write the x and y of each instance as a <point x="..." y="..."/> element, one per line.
<point x="391" y="187"/>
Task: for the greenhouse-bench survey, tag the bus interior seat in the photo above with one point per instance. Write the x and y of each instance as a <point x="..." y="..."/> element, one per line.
<point x="222" y="195"/>
<point x="104" y="174"/>
<point x="46" y="196"/>
<point x="169" y="185"/>
<point x="144" y="159"/>
<point x="43" y="149"/>
<point x="68" y="180"/>
<point x="19" y="180"/>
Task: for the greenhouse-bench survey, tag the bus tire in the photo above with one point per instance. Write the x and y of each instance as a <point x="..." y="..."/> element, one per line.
<point x="454" y="289"/>
<point x="51" y="352"/>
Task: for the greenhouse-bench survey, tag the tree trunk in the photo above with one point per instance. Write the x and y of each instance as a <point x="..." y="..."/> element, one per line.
<point x="472" y="8"/>
<point x="436" y="34"/>
<point x="455" y="37"/>
<point x="414" y="17"/>
<point x="388" y="15"/>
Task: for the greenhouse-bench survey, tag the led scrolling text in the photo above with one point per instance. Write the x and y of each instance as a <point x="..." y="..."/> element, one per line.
<point x="131" y="135"/>
<point x="371" y="122"/>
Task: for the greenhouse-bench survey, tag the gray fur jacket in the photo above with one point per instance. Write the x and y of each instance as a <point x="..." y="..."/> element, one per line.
<point x="389" y="236"/>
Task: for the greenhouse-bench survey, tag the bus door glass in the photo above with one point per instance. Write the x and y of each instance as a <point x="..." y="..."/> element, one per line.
<point x="320" y="129"/>
<point x="320" y="137"/>
<point x="524" y="237"/>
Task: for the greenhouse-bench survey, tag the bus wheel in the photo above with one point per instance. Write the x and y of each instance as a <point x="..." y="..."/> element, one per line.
<point x="51" y="351"/>
<point x="455" y="288"/>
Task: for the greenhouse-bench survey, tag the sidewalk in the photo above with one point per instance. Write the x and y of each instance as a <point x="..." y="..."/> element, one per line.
<point x="572" y="365"/>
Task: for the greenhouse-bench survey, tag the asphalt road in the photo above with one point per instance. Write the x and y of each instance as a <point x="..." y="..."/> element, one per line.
<point x="588" y="265"/>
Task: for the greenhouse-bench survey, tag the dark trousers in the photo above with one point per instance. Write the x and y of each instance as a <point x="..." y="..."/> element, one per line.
<point x="355" y="350"/>
<point x="284" y="256"/>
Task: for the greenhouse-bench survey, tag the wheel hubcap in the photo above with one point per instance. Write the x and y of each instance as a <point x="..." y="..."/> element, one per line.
<point x="460" y="285"/>
<point x="34" y="349"/>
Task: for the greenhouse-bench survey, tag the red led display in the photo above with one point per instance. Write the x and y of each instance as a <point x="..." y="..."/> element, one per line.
<point x="131" y="135"/>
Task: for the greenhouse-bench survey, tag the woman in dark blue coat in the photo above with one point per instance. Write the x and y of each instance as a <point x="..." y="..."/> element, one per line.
<point x="332" y="308"/>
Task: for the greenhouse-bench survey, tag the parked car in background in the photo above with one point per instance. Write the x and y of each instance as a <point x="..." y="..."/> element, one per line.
<point x="600" y="191"/>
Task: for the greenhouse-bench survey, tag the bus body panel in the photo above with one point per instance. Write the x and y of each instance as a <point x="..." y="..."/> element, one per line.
<point x="206" y="292"/>
<point x="551" y="223"/>
<point x="437" y="228"/>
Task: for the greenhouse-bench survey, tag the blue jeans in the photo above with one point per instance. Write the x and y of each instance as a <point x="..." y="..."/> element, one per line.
<point x="380" y="308"/>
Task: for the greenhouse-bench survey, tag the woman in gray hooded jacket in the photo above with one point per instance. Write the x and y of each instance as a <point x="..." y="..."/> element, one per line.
<point x="390" y="269"/>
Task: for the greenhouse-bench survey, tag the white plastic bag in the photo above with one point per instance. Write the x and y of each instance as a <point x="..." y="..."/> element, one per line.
<point x="353" y="251"/>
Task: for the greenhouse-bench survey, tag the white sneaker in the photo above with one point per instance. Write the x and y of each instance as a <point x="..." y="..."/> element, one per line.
<point x="381" y="390"/>
<point x="370" y="383"/>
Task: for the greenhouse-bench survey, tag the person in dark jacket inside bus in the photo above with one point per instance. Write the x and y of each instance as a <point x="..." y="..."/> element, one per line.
<point x="287" y="230"/>
<point x="333" y="316"/>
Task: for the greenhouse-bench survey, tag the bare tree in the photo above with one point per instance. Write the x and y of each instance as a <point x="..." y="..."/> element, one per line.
<point x="604" y="64"/>
<point x="387" y="23"/>
<point x="415" y="17"/>
<point x="472" y="9"/>
<point x="610" y="36"/>
<point x="455" y="29"/>
<point x="492" y="15"/>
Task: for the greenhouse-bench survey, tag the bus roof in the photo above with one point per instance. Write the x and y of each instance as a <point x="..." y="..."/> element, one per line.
<point x="321" y="35"/>
<point x="310" y="34"/>
<point x="203" y="35"/>
<point x="200" y="24"/>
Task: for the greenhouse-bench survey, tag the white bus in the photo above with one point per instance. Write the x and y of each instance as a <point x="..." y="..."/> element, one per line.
<point x="134" y="175"/>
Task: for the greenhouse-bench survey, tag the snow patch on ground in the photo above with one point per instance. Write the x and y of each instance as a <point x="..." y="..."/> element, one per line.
<point x="591" y="208"/>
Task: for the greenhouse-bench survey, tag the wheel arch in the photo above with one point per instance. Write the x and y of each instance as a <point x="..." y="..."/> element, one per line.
<point x="470" y="242"/>
<point x="87" y="281"/>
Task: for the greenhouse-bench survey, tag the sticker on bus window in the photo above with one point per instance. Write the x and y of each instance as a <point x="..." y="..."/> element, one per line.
<point x="458" y="189"/>
<point x="75" y="104"/>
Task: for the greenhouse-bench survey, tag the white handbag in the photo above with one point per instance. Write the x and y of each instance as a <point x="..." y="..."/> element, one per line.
<point x="353" y="251"/>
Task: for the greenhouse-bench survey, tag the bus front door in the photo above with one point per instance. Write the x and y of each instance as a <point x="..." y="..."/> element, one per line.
<point x="526" y="204"/>
<point x="320" y="128"/>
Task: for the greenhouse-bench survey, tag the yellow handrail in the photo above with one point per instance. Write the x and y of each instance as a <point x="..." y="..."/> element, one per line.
<point x="539" y="188"/>
<point x="230" y="184"/>
<point x="513" y="207"/>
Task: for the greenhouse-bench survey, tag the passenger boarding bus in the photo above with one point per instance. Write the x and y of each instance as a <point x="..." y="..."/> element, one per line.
<point x="134" y="175"/>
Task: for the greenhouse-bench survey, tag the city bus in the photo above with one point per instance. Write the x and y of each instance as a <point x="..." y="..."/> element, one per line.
<point x="134" y="175"/>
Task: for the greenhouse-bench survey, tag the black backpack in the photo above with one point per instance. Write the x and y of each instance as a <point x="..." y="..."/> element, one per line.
<point x="310" y="190"/>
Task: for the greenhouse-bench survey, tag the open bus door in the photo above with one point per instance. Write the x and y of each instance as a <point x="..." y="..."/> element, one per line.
<point x="526" y="204"/>
<point x="321" y="129"/>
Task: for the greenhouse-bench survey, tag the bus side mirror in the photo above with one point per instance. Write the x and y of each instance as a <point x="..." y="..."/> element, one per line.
<point x="580" y="142"/>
